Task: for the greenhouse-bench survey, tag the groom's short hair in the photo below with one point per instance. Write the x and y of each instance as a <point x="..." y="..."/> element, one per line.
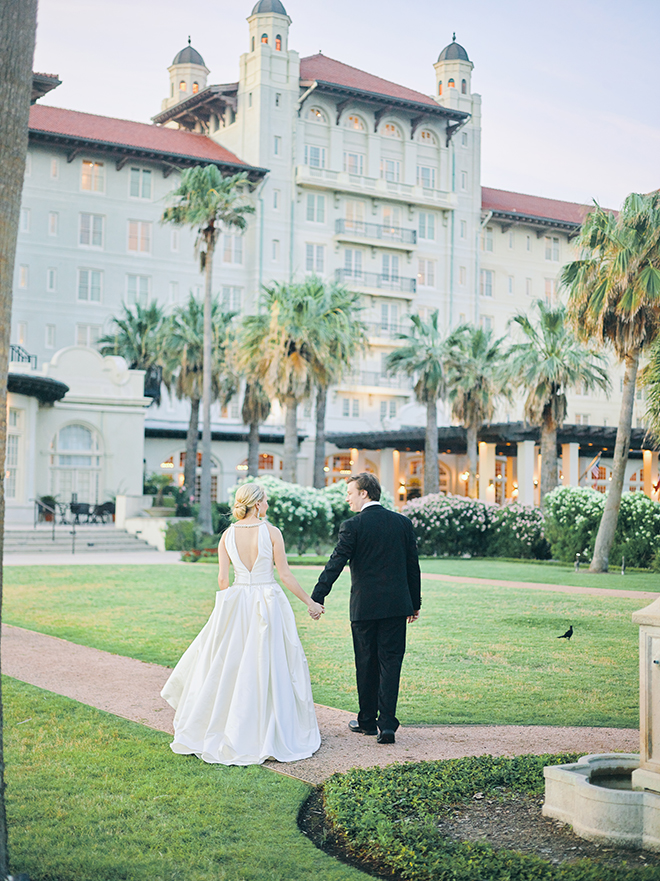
<point x="368" y="482"/>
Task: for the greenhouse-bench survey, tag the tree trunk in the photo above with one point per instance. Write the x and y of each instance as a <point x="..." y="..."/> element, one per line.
<point x="607" y="528"/>
<point x="472" y="461"/>
<point x="18" y="22"/>
<point x="190" y="467"/>
<point x="253" y="450"/>
<point x="548" y="455"/>
<point x="290" y="452"/>
<point x="205" y="518"/>
<point x="319" y="446"/>
<point x="431" y="468"/>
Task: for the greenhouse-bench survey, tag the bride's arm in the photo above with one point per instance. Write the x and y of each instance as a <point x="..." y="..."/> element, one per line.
<point x="223" y="565"/>
<point x="287" y="576"/>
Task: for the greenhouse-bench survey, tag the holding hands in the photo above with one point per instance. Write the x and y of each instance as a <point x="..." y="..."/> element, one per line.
<point x="315" y="609"/>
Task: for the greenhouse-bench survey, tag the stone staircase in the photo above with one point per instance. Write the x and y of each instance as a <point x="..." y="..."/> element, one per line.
<point x="93" y="538"/>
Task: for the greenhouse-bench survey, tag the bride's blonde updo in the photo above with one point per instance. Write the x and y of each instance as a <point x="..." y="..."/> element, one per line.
<point x="247" y="496"/>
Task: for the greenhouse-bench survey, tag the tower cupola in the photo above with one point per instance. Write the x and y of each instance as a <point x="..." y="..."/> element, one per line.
<point x="453" y="71"/>
<point x="188" y="75"/>
<point x="269" y="26"/>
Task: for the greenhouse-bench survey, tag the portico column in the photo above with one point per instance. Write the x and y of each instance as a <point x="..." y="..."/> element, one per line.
<point x="525" y="468"/>
<point x="650" y="472"/>
<point x="357" y="461"/>
<point x="487" y="472"/>
<point x="388" y="470"/>
<point x="570" y="464"/>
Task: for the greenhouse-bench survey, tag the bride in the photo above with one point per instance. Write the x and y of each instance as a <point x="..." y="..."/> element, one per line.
<point x="241" y="691"/>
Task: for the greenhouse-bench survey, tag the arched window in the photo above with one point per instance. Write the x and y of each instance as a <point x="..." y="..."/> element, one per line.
<point x="354" y="122"/>
<point x="253" y="44"/>
<point x="195" y="88"/>
<point x="316" y="115"/>
<point x="440" y="88"/>
<point x="264" y="38"/>
<point x="451" y="84"/>
<point x="75" y="462"/>
<point x="267" y="463"/>
<point x="391" y="131"/>
<point x="278" y="43"/>
<point x="182" y="86"/>
<point x="428" y="138"/>
<point x="463" y="87"/>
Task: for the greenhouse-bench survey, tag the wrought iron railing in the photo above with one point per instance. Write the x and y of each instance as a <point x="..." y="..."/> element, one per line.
<point x="361" y="229"/>
<point x="389" y="282"/>
<point x="20" y="356"/>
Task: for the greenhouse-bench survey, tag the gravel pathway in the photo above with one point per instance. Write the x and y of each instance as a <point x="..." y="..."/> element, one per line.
<point x="131" y="689"/>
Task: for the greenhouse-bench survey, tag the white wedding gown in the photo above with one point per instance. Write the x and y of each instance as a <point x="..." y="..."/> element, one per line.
<point x="241" y="691"/>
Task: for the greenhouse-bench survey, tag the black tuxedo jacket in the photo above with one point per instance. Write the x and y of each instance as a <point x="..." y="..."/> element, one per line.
<point x="385" y="576"/>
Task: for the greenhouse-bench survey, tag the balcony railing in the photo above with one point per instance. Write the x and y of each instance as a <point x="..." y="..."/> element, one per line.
<point x="375" y="231"/>
<point x="385" y="330"/>
<point x="389" y="282"/>
<point x="20" y="356"/>
<point x="381" y="380"/>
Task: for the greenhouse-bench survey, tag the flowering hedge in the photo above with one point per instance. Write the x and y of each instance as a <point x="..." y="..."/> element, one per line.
<point x="573" y="516"/>
<point x="453" y="526"/>
<point x="303" y="514"/>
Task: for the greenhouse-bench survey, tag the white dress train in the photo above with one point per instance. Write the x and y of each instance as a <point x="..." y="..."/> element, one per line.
<point x="241" y="691"/>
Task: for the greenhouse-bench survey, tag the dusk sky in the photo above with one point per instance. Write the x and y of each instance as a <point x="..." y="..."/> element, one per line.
<point x="570" y="89"/>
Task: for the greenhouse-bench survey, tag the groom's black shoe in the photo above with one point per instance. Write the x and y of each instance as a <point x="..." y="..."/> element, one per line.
<point x="386" y="736"/>
<point x="355" y="726"/>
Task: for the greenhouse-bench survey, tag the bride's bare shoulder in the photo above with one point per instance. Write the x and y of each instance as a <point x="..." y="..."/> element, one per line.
<point x="273" y="531"/>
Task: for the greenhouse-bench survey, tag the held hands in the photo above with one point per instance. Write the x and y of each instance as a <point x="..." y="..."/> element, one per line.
<point x="315" y="610"/>
<point x="413" y="617"/>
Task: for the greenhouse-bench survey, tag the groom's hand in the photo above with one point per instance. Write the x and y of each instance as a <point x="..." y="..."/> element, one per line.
<point x="413" y="617"/>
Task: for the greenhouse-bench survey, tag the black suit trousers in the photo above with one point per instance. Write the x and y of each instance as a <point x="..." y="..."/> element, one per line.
<point x="379" y="647"/>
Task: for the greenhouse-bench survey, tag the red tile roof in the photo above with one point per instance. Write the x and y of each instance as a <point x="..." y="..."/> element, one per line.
<point x="320" y="67"/>
<point x="532" y="206"/>
<point x="125" y="133"/>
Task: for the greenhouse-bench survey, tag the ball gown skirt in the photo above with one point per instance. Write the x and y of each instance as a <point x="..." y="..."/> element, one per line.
<point x="241" y="691"/>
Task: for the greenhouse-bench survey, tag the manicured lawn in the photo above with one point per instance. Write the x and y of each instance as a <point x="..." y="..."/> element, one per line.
<point x="480" y="654"/>
<point x="93" y="797"/>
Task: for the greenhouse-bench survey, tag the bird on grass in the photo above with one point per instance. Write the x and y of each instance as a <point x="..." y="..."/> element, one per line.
<point x="568" y="633"/>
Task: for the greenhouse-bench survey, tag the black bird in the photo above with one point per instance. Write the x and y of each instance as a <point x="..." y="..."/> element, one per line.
<point x="568" y="633"/>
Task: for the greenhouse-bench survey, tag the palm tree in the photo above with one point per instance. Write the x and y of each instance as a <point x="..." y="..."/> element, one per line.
<point x="18" y="23"/>
<point x="137" y="339"/>
<point x="255" y="411"/>
<point x="183" y="367"/>
<point x="209" y="202"/>
<point x="650" y="379"/>
<point x="423" y="357"/>
<point x="282" y="347"/>
<point x="475" y="381"/>
<point x="615" y="300"/>
<point x="550" y="361"/>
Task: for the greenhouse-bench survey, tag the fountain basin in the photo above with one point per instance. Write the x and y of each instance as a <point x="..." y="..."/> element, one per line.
<point x="596" y="797"/>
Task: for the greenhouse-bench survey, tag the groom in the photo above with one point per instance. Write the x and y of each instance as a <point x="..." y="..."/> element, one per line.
<point x="385" y="593"/>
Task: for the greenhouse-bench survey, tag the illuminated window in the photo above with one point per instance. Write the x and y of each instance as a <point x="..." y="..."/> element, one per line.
<point x="427" y="137"/>
<point x="139" y="237"/>
<point x="451" y="84"/>
<point x="278" y="43"/>
<point x="356" y="123"/>
<point x="426" y="273"/>
<point x="195" y="88"/>
<point x="182" y="86"/>
<point x="440" y="88"/>
<point x="354" y="163"/>
<point x="316" y="115"/>
<point x="464" y="87"/>
<point x="264" y="38"/>
<point x="391" y="131"/>
<point x="93" y="176"/>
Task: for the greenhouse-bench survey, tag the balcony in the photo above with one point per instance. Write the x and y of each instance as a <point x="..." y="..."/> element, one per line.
<point x="385" y="331"/>
<point x="376" y="282"/>
<point x="374" y="379"/>
<point x="376" y="234"/>
<point x="377" y="188"/>
<point x="18" y="355"/>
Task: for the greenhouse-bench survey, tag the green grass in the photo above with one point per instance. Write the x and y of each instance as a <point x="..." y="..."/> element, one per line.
<point x="478" y="654"/>
<point x="93" y="797"/>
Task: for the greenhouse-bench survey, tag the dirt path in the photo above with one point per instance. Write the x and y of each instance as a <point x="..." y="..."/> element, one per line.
<point x="131" y="689"/>
<point x="553" y="588"/>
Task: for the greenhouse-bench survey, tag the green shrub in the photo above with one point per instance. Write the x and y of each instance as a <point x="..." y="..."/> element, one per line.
<point x="519" y="531"/>
<point x="572" y="517"/>
<point x="450" y="526"/>
<point x="387" y="817"/>
<point x="303" y="514"/>
<point x="335" y="493"/>
<point x="180" y="536"/>
<point x="637" y="531"/>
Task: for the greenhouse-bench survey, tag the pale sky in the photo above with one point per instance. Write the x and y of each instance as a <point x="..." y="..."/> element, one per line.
<point x="569" y="88"/>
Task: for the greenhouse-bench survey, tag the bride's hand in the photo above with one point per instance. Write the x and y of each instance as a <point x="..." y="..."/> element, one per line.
<point x="315" y="610"/>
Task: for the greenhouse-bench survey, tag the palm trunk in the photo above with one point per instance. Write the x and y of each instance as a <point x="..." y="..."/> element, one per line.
<point x="290" y="452"/>
<point x="18" y="22"/>
<point x="607" y="528"/>
<point x="205" y="518"/>
<point x="548" y="455"/>
<point x="190" y="467"/>
<point x="431" y="468"/>
<point x="472" y="461"/>
<point x="253" y="450"/>
<point x="319" y="446"/>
